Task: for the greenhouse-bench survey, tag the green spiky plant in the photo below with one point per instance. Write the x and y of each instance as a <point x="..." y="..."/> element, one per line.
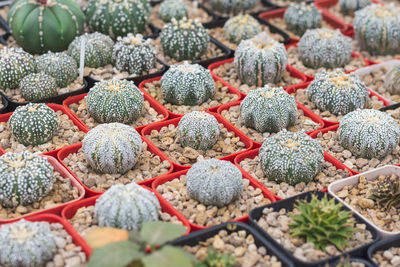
<point x="216" y="259"/>
<point x="387" y="193"/>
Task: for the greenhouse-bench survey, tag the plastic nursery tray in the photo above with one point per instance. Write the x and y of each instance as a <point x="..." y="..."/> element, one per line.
<point x="55" y="107"/>
<point x="64" y="152"/>
<point x="288" y="204"/>
<point x="158" y="125"/>
<point x="384" y="244"/>
<point x="254" y="152"/>
<point x="308" y="113"/>
<point x="195" y="227"/>
<point x="56" y="209"/>
<point x="4" y="102"/>
<point x="202" y="235"/>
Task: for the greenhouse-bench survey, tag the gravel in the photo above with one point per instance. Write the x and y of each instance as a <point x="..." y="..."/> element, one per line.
<point x="1" y="103"/>
<point x="388" y="258"/>
<point x="335" y="10"/>
<point x="280" y="23"/>
<point x="395" y="113"/>
<point x="175" y="192"/>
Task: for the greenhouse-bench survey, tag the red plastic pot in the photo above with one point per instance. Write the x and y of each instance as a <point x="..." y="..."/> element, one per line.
<point x="157" y="126"/>
<point x="176" y="175"/>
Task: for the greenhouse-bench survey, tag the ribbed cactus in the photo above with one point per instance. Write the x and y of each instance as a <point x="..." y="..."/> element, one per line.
<point x="36" y="86"/>
<point x="187" y="84"/>
<point x="25" y="178"/>
<point x="369" y="133"/>
<point x="386" y="193"/>
<point x="392" y="81"/>
<point x="350" y="6"/>
<point x="241" y="27"/>
<point x="40" y="26"/>
<point x="232" y="6"/>
<point x="214" y="182"/>
<point x="302" y="16"/>
<point x="126" y="207"/>
<point x="170" y="9"/>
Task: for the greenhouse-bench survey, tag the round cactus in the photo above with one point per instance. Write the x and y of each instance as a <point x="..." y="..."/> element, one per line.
<point x="25" y="178"/>
<point x="392" y="80"/>
<point x="37" y="28"/>
<point x="291" y="157"/>
<point x="369" y="133"/>
<point x="324" y="48"/>
<point x="260" y="60"/>
<point x="133" y="54"/>
<point x="25" y="243"/>
<point x="33" y="124"/>
<point x="350" y="6"/>
<point x="117" y="18"/>
<point x="301" y="16"/>
<point x="268" y="109"/>
<point x="60" y="66"/>
<point x="198" y="130"/>
<point x="187" y="84"/>
<point x="126" y="207"/>
<point x="112" y="148"/>
<point x="337" y="92"/>
<point x="241" y="27"/>
<point x="15" y="64"/>
<point x="36" y="86"/>
<point x="214" y="182"/>
<point x="170" y="9"/>
<point x="184" y="39"/>
<point x="378" y="29"/>
<point x="233" y="6"/>
<point x="98" y="49"/>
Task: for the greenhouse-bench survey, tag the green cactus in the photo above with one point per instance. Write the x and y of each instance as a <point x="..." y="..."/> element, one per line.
<point x="241" y="27"/>
<point x="170" y="9"/>
<point x="216" y="259"/>
<point x="392" y="81"/>
<point x="36" y="86"/>
<point x="350" y="6"/>
<point x="302" y="16"/>
<point x="233" y="6"/>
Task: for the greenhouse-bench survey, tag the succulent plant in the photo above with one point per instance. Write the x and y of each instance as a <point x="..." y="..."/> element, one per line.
<point x="126" y="207"/>
<point x="35" y="24"/>
<point x="134" y="54"/>
<point x="33" y="124"/>
<point x="386" y="194"/>
<point x="112" y="148"/>
<point x="117" y="18"/>
<point x="187" y="84"/>
<point x="198" y="130"/>
<point x="369" y="133"/>
<point x="268" y="109"/>
<point x="392" y="80"/>
<point x="115" y="101"/>
<point x="170" y="9"/>
<point x="350" y="6"/>
<point x="241" y="27"/>
<point x="184" y="39"/>
<point x="36" y="86"/>
<point x="324" y="48"/>
<point x="25" y="178"/>
<point x="98" y="49"/>
<point x="216" y="259"/>
<point x="377" y="29"/>
<point x="302" y="16"/>
<point x="344" y="262"/>
<point x="260" y="60"/>
<point x="232" y="6"/>
<point x="214" y="182"/>
<point x="25" y="243"/>
<point x="337" y="92"/>
<point x="60" y="66"/>
<point x="291" y="157"/>
<point x="15" y="64"/>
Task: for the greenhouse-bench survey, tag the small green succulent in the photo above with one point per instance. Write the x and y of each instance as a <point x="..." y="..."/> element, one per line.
<point x="216" y="259"/>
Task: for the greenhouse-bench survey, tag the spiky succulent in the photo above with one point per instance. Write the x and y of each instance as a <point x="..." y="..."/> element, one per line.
<point x="392" y="80"/>
<point x="350" y="6"/>
<point x="36" y="86"/>
<point x="216" y="259"/>
<point x="241" y="27"/>
<point x="232" y="6"/>
<point x="322" y="222"/>
<point x="302" y="16"/>
<point x="170" y="9"/>
<point x="386" y="194"/>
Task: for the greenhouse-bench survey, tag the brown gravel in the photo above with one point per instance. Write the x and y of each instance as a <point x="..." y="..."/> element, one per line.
<point x="280" y="23"/>
<point x="335" y="10"/>
<point x="1" y="103"/>
<point x="63" y="191"/>
<point x="259" y="7"/>
<point x="388" y="258"/>
<point x="328" y="175"/>
<point x="395" y="113"/>
<point x="238" y="244"/>
<point x="167" y="140"/>
<point x="149" y="115"/>
<point x="222" y="96"/>
<point x="68" y="133"/>
<point x="233" y="116"/>
<point x="147" y="167"/>
<point x="175" y="192"/>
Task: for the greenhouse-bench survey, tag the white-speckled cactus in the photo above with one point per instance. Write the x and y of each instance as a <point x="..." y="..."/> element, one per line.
<point x="198" y="130"/>
<point x="324" y="48"/>
<point x="232" y="6"/>
<point x="392" y="81"/>
<point x="26" y="244"/>
<point x="36" y="86"/>
<point x="291" y="157"/>
<point x="260" y="60"/>
<point x="337" y="92"/>
<point x="369" y="133"/>
<point x="112" y="148"/>
<point x="126" y="207"/>
<point x="187" y="84"/>
<point x="302" y="16"/>
<point x="24" y="178"/>
<point x="268" y="109"/>
<point x="350" y="6"/>
<point x="170" y="9"/>
<point x="241" y="27"/>
<point x="214" y="182"/>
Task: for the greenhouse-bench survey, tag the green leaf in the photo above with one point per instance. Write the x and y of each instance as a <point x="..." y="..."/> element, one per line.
<point x="117" y="254"/>
<point x="168" y="256"/>
<point x="157" y="233"/>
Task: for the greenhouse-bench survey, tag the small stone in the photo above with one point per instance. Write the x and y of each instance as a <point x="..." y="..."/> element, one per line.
<point x="218" y="242"/>
<point x="60" y="242"/>
<point x="365" y="203"/>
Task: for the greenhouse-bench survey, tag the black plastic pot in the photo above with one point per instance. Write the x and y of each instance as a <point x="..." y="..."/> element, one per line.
<point x="391" y="107"/>
<point x="384" y="244"/>
<point x="4" y="103"/>
<point x="272" y="5"/>
<point x="288" y="204"/>
<point x="202" y="235"/>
